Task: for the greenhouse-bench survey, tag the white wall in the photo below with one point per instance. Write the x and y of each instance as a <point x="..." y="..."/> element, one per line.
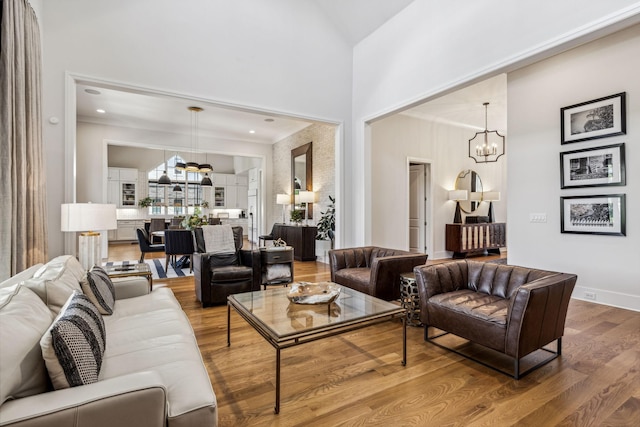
<point x="606" y="265"/>
<point x="430" y="48"/>
<point x="279" y="56"/>
<point x="398" y="138"/>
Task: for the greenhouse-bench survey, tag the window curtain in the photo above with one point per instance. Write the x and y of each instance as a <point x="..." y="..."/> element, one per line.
<point x="23" y="230"/>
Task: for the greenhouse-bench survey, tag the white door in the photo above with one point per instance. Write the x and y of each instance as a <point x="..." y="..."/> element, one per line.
<point x="418" y="208"/>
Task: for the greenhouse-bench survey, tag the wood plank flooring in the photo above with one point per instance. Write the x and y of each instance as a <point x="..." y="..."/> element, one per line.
<point x="357" y="379"/>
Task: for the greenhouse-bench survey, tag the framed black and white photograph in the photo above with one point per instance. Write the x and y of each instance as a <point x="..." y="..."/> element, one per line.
<point x="602" y="214"/>
<point x="598" y="118"/>
<point x="593" y="167"/>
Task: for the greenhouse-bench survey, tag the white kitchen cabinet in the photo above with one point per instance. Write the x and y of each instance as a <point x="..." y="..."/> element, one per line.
<point x="219" y="196"/>
<point x="122" y="187"/>
<point x="231" y="197"/>
<point x="127" y="229"/>
<point x="113" y="192"/>
<point x="219" y="179"/>
<point x="128" y="174"/>
<point x="114" y="174"/>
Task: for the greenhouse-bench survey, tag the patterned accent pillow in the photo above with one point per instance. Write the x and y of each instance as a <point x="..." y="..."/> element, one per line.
<point x="98" y="287"/>
<point x="74" y="345"/>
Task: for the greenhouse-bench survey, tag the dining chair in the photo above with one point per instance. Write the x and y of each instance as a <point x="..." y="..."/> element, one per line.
<point x="178" y="242"/>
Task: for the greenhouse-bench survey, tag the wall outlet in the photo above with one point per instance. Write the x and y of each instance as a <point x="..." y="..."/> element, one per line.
<point x="538" y="217"/>
<point x="590" y="295"/>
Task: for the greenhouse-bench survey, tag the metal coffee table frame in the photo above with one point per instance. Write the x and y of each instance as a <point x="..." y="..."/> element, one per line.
<point x="306" y="335"/>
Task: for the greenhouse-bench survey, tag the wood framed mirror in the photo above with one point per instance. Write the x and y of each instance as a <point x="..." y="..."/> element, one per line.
<point x="470" y="181"/>
<point x="302" y="175"/>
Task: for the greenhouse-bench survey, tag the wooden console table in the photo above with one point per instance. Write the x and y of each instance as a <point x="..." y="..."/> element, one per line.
<point x="301" y="237"/>
<point x="465" y="239"/>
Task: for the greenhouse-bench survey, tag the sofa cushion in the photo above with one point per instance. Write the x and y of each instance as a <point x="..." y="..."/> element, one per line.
<point x="56" y="281"/>
<point x="354" y="275"/>
<point x="233" y="272"/>
<point x="97" y="286"/>
<point x="23" y="320"/>
<point x="74" y="346"/>
<point x="477" y="304"/>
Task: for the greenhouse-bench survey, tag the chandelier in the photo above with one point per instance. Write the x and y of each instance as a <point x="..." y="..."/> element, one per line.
<point x="194" y="166"/>
<point x="489" y="145"/>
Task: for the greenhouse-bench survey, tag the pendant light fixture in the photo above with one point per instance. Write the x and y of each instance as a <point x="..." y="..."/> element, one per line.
<point x="177" y="188"/>
<point x="206" y="181"/>
<point x="489" y="147"/>
<point x="193" y="166"/>
<point x="164" y="179"/>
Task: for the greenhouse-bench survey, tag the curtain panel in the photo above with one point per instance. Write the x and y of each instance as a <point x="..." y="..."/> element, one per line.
<point x="23" y="230"/>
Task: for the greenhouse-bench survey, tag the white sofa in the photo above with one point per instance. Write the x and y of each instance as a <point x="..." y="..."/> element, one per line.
<point x="152" y="372"/>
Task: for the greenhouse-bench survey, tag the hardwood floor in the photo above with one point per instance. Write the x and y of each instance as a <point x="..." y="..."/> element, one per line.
<point x="357" y="378"/>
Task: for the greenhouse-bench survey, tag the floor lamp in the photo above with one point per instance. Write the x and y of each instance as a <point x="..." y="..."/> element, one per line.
<point x="457" y="196"/>
<point x="86" y="218"/>
<point x="283" y="199"/>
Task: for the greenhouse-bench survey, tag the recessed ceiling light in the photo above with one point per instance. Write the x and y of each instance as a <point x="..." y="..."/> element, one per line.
<point x="92" y="91"/>
<point x="252" y="131"/>
<point x="100" y="110"/>
<point x="269" y="120"/>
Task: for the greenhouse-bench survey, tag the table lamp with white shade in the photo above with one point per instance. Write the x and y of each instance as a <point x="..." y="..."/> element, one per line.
<point x="457" y="196"/>
<point x="89" y="219"/>
<point x="491" y="196"/>
<point x="283" y="199"/>
<point x="307" y="197"/>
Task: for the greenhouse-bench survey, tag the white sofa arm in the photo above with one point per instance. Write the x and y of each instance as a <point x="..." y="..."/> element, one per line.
<point x="129" y="287"/>
<point x="136" y="400"/>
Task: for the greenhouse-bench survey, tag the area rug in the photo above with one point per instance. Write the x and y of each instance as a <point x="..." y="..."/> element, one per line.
<point x="157" y="268"/>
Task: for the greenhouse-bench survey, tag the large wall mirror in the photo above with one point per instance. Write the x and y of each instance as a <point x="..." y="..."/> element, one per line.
<point x="470" y="181"/>
<point x="301" y="175"/>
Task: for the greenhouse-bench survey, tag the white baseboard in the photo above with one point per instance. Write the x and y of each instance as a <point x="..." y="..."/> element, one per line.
<point x="600" y="296"/>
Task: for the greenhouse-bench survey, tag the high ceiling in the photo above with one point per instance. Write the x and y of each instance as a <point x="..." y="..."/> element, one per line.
<point x="354" y="20"/>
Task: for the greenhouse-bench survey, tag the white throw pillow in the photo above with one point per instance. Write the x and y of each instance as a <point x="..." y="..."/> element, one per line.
<point x="23" y="320"/>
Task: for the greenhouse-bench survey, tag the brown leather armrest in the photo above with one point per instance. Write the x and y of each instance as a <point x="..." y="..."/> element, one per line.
<point x="537" y="313"/>
<point x="385" y="273"/>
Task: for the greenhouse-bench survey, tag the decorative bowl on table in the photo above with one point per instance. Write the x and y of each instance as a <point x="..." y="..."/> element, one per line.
<point x="313" y="293"/>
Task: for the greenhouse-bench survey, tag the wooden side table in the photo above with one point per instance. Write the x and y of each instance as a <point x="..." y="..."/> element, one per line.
<point x="276" y="258"/>
<point x="409" y="298"/>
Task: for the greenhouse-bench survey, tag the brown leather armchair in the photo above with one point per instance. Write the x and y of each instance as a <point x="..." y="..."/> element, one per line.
<point x="373" y="270"/>
<point x="513" y="310"/>
<point x="219" y="275"/>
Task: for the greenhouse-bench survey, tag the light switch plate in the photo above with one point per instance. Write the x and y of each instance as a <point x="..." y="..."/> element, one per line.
<point x="538" y="217"/>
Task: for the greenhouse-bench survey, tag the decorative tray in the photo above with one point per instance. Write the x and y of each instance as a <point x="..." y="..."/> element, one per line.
<point x="313" y="293"/>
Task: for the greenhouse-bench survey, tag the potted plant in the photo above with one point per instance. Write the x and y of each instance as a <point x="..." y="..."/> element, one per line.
<point x="297" y="216"/>
<point x="145" y="202"/>
<point x="327" y="223"/>
<point x="326" y="231"/>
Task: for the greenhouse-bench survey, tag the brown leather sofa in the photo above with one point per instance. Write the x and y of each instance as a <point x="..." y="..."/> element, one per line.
<point x="373" y="270"/>
<point x="510" y="309"/>
<point x="219" y="275"/>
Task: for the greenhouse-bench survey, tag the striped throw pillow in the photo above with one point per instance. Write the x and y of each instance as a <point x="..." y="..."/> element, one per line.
<point x="74" y="345"/>
<point x="98" y="287"/>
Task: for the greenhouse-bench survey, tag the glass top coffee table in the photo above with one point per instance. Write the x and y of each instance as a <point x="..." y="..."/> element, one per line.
<point x="141" y="269"/>
<point x="285" y="324"/>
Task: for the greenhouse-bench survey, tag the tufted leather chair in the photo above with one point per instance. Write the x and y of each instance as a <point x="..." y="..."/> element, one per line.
<point x="510" y="309"/>
<point x="373" y="270"/>
<point x="219" y="275"/>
